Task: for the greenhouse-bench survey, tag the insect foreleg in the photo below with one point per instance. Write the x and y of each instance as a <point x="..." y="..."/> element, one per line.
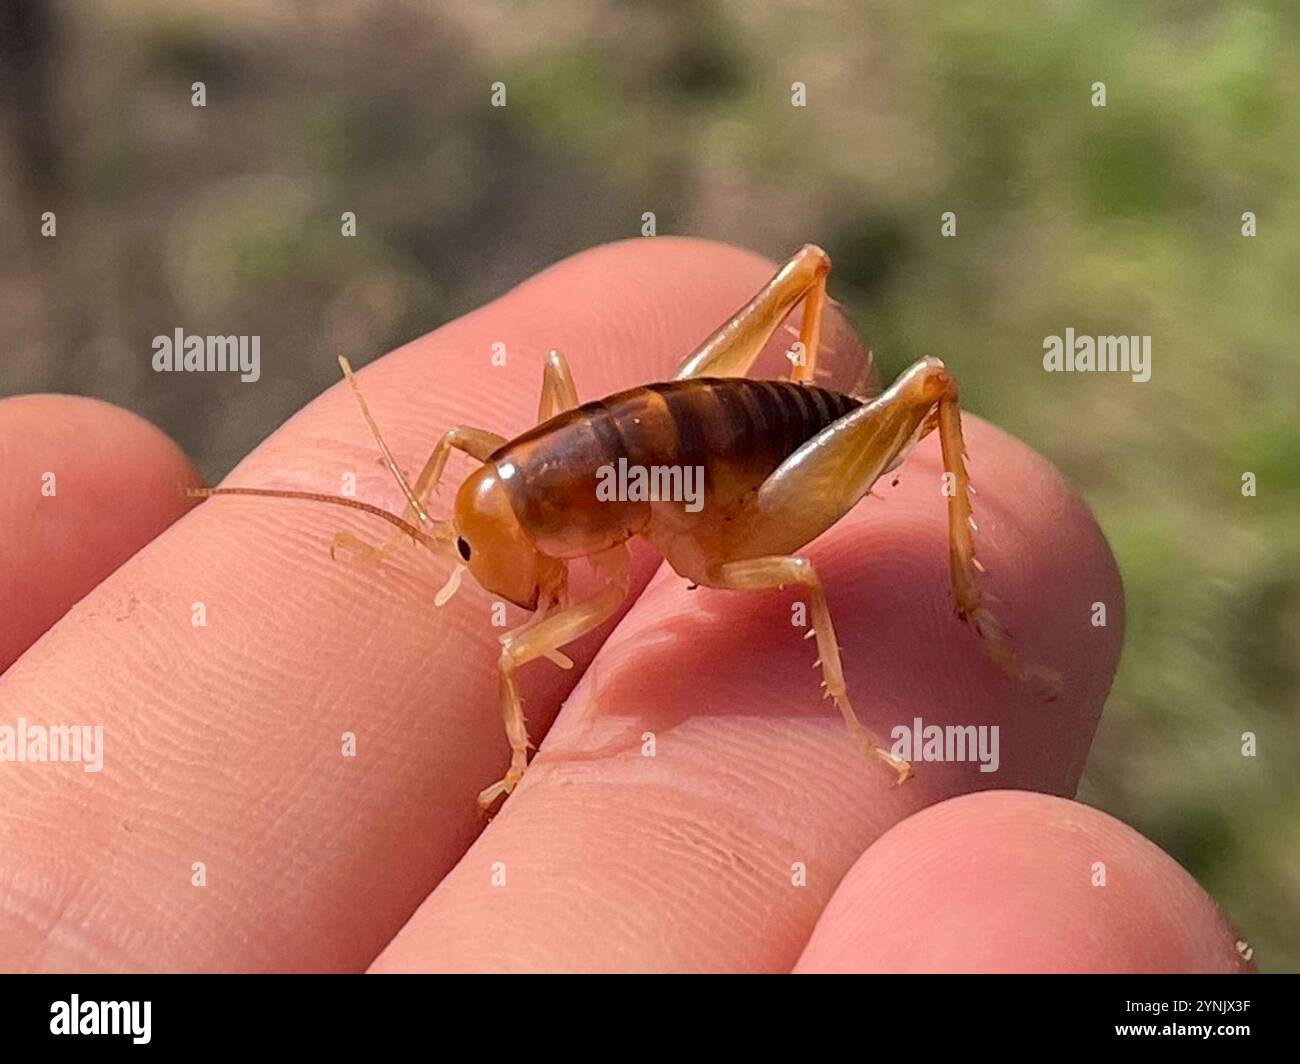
<point x="534" y="641"/>
<point x="558" y="394"/>
<point x="477" y="443"/>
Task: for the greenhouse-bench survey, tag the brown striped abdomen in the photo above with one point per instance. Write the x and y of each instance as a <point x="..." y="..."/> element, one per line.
<point x="734" y="431"/>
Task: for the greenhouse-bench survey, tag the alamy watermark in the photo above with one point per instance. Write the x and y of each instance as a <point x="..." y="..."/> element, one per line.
<point x="637" y="483"/>
<point x="179" y="353"/>
<point x="1098" y="354"/>
<point x="39" y="744"/>
<point x="954" y="742"/>
<point x="75" y="1016"/>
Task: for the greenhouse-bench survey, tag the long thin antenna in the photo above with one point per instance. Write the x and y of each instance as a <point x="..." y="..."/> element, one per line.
<point x="437" y="544"/>
<point x="389" y="460"/>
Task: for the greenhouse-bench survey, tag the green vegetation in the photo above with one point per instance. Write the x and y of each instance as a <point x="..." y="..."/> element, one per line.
<point x="1122" y="219"/>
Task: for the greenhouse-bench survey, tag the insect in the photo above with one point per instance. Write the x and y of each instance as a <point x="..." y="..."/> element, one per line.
<point x="781" y="462"/>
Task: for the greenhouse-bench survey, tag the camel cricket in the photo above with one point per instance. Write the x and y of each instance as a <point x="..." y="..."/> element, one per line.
<point x="781" y="462"/>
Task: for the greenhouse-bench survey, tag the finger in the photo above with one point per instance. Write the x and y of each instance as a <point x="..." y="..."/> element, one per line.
<point x="720" y="850"/>
<point x="1009" y="881"/>
<point x="232" y="664"/>
<point x="83" y="486"/>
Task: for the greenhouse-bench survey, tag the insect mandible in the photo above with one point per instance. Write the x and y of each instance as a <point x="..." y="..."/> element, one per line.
<point x="782" y="461"/>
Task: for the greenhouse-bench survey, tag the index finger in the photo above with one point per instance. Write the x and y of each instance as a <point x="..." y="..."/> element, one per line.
<point x="293" y="746"/>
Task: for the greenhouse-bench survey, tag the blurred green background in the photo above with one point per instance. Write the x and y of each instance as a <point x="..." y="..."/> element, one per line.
<point x="1123" y="219"/>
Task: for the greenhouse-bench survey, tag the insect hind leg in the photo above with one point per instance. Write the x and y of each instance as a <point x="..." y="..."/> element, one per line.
<point x="826" y="477"/>
<point x="761" y="573"/>
<point x="964" y="568"/>
<point x="735" y="346"/>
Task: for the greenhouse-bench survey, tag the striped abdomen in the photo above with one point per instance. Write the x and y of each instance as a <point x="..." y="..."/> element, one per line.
<point x="721" y="436"/>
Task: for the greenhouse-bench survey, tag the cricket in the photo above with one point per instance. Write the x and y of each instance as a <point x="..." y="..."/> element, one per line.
<point x="782" y="461"/>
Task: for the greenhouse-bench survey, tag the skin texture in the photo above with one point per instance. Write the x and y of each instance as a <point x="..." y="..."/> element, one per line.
<point x="57" y="547"/>
<point x="1027" y="863"/>
<point x="223" y="742"/>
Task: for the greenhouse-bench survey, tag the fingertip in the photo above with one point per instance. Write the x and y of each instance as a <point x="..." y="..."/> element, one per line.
<point x="83" y="486"/>
<point x="1013" y="881"/>
<point x="1049" y="581"/>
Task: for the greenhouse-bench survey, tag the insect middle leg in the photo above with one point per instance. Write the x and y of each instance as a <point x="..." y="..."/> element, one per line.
<point x="558" y="394"/>
<point x="761" y="573"/>
<point x="736" y="345"/>
<point x="535" y="641"/>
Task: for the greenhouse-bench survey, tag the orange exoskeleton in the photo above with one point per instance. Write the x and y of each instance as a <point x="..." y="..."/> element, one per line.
<point x="779" y="462"/>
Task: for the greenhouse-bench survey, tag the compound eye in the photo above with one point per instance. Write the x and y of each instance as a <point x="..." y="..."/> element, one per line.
<point x="462" y="547"/>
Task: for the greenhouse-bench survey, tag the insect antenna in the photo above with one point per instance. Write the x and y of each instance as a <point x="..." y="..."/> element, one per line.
<point x="378" y="436"/>
<point x="439" y="540"/>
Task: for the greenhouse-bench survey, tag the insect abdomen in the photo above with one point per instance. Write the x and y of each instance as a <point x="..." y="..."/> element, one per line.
<point x="724" y="436"/>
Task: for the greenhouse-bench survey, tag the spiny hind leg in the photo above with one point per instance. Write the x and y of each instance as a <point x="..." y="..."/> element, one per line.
<point x="825" y="478"/>
<point x="778" y="571"/>
<point x="533" y="641"/>
<point x="736" y="345"/>
<point x="935" y="388"/>
<point x="963" y="567"/>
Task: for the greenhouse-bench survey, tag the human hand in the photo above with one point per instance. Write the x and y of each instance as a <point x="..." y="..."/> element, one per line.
<point x="223" y="743"/>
